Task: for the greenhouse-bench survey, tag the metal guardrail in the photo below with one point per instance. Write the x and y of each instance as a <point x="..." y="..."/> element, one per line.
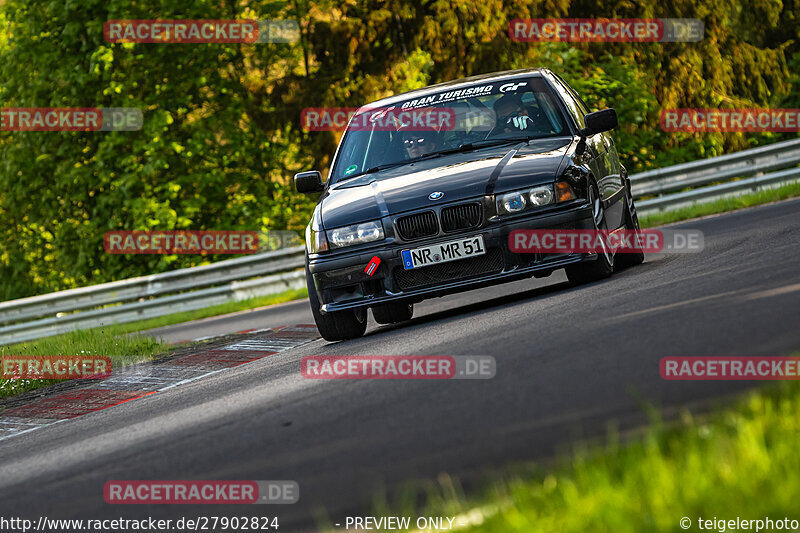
<point x="132" y="299"/>
<point x="749" y="165"/>
<point x="714" y="192"/>
<point x="153" y="285"/>
<point x="268" y="273"/>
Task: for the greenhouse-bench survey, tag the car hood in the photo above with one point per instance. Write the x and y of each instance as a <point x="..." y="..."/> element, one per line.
<point x="459" y="176"/>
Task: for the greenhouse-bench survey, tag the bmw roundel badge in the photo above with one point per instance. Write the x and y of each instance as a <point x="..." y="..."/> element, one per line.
<point x="435" y="195"/>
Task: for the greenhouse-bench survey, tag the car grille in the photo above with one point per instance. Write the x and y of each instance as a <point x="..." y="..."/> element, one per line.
<point x="417" y="226"/>
<point x="462" y="216"/>
<point x="489" y="263"/>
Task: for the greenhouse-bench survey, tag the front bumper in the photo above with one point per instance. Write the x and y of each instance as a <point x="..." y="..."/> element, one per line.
<point x="341" y="282"/>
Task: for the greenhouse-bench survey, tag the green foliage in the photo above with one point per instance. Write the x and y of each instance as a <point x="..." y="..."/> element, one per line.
<point x="221" y="136"/>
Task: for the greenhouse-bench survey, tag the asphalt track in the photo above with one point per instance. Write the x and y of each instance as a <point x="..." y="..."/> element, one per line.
<point x="569" y="362"/>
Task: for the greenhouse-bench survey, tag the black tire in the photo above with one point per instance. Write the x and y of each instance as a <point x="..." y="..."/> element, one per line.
<point x="392" y="313"/>
<point x="338" y="326"/>
<point x="603" y="266"/>
<point x="625" y="260"/>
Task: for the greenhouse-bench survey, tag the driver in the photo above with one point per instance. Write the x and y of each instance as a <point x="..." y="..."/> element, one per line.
<point x="512" y="115"/>
<point x="419" y="143"/>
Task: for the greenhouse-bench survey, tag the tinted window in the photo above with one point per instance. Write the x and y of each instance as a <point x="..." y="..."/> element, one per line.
<point x="388" y="135"/>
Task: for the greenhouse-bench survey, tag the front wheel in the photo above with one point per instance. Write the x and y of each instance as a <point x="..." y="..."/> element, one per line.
<point x="603" y="266"/>
<point x="337" y="326"/>
<point x="625" y="260"/>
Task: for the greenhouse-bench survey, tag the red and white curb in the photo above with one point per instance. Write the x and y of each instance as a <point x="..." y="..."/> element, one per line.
<point x="26" y="413"/>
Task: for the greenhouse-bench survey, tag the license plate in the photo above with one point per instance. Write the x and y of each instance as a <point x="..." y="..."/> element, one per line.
<point x="444" y="252"/>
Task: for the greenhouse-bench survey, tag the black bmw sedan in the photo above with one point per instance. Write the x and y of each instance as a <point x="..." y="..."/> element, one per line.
<point x="426" y="187"/>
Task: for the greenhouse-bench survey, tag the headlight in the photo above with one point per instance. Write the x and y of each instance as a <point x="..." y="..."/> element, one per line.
<point x="541" y="195"/>
<point x="514" y="202"/>
<point x="315" y="240"/>
<point x="355" y="234"/>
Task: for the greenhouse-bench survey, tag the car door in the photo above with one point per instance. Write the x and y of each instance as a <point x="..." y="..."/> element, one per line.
<point x="604" y="161"/>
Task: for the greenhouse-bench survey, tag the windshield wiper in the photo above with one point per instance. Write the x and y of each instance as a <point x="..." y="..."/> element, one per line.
<point x="490" y="142"/>
<point x="485" y="143"/>
<point x="385" y="166"/>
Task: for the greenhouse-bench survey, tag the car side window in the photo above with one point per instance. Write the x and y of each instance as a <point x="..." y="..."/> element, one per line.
<point x="580" y="101"/>
<point x="581" y="104"/>
<point x="574" y="108"/>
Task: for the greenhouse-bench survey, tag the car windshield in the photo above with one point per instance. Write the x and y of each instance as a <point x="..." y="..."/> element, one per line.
<point x="417" y="128"/>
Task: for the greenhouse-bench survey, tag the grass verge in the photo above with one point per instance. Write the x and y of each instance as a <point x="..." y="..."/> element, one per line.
<point x="114" y="341"/>
<point x="722" y="205"/>
<point x="122" y="349"/>
<point x="738" y="462"/>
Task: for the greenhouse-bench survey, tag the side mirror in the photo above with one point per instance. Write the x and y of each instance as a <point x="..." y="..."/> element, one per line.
<point x="600" y="121"/>
<point x="308" y="182"/>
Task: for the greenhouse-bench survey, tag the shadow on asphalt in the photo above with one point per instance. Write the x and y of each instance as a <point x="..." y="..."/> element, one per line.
<point x="502" y="301"/>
